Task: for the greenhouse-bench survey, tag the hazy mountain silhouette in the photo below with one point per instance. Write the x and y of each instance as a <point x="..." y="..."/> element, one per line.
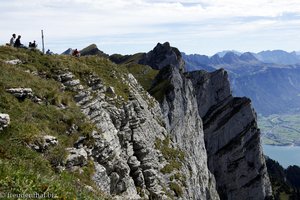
<point x="272" y="87"/>
<point x="278" y="57"/>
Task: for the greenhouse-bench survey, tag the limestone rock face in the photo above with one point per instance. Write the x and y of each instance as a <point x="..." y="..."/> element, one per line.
<point x="4" y="121"/>
<point x="126" y="162"/>
<point x="179" y="107"/>
<point x="232" y="138"/>
<point x="163" y="55"/>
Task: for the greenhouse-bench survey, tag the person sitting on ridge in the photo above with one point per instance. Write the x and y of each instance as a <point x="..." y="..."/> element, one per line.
<point x="12" y="40"/>
<point x="18" y="43"/>
<point x="32" y="45"/>
<point x="48" y="52"/>
<point x="76" y="53"/>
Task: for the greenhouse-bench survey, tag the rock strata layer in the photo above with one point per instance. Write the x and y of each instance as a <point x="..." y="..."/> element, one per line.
<point x="232" y="138"/>
<point x="123" y="150"/>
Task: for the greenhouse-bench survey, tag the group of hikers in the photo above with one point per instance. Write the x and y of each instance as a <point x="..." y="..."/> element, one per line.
<point x="16" y="42"/>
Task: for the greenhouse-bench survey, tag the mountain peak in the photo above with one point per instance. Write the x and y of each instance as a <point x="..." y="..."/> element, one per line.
<point x="92" y="50"/>
<point x="248" y="57"/>
<point x="67" y="52"/>
<point x="163" y="55"/>
<point x="230" y="57"/>
<point x="223" y="53"/>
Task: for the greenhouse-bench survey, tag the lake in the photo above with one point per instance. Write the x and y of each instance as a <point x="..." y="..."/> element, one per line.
<point x="285" y="155"/>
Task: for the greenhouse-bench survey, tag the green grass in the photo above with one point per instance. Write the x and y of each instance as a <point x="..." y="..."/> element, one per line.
<point x="174" y="156"/>
<point x="110" y="73"/>
<point x="176" y="188"/>
<point x="144" y="74"/>
<point x="23" y="170"/>
<point x="127" y="59"/>
<point x="159" y="91"/>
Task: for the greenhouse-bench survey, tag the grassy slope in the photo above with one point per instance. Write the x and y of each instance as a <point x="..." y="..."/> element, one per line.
<point x="23" y="170"/>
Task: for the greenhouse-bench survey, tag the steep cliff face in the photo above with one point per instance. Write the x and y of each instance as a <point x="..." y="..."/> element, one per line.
<point x="186" y="130"/>
<point x="232" y="138"/>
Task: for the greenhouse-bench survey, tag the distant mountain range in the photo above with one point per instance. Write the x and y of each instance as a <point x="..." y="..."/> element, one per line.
<point x="274" y="88"/>
<point x="274" y="56"/>
<point x="279" y="57"/>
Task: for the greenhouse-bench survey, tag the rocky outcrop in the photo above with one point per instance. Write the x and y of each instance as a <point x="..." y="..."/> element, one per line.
<point x="163" y="55"/>
<point x="232" y="138"/>
<point x="127" y="164"/>
<point x="186" y="130"/>
<point x="4" y="121"/>
<point x="44" y="143"/>
<point x="24" y="93"/>
<point x="77" y="157"/>
<point x="21" y="93"/>
<point x="13" y="62"/>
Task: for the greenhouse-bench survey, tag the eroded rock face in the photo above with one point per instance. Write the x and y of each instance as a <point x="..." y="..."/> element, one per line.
<point x="4" y="121"/>
<point x="163" y="55"/>
<point x="123" y="149"/>
<point x="232" y="138"/>
<point x="179" y="107"/>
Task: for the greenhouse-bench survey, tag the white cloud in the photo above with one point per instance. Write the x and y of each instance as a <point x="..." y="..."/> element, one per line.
<point x="133" y="22"/>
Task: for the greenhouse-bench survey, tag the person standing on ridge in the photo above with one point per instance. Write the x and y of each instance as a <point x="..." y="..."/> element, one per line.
<point x="12" y="40"/>
<point x="76" y="53"/>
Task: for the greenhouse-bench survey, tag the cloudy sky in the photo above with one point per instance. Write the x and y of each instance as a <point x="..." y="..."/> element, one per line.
<point x="130" y="26"/>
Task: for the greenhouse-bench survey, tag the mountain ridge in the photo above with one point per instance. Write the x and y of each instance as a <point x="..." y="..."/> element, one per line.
<point x="134" y="145"/>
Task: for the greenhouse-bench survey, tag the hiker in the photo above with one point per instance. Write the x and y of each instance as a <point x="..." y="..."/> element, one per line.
<point x="76" y="53"/>
<point x="12" y="40"/>
<point x="18" y="43"/>
<point x="48" y="52"/>
<point x="32" y="45"/>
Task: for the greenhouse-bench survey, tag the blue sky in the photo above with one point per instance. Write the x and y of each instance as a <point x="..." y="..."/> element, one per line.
<point x="130" y="26"/>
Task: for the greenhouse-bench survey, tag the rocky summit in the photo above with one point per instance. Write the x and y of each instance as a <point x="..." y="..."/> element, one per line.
<point x="140" y="129"/>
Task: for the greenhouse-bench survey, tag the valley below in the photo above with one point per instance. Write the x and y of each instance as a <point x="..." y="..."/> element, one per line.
<point x="281" y="130"/>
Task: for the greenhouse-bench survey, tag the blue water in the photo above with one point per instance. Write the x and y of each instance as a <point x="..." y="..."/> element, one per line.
<point x="285" y="155"/>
